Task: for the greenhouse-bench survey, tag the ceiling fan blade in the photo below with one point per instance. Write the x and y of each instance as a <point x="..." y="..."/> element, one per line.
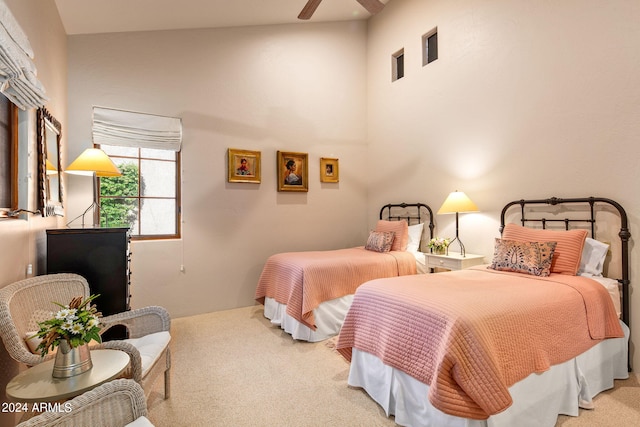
<point x="372" y="6"/>
<point x="308" y="9"/>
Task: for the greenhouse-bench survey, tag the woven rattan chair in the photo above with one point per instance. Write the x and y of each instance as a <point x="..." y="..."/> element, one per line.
<point x="25" y="303"/>
<point x="114" y="404"/>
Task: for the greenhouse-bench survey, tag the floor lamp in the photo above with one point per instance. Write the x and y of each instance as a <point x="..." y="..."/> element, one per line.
<point x="457" y="202"/>
<point x="93" y="162"/>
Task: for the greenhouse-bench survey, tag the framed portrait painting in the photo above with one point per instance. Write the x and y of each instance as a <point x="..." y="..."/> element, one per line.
<point x="243" y="166"/>
<point x="329" y="171"/>
<point x="293" y="171"/>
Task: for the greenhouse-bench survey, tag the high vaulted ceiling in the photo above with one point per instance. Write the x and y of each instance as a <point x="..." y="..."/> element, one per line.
<point x="107" y="16"/>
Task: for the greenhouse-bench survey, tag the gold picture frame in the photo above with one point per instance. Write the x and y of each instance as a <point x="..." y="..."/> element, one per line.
<point x="293" y="171"/>
<point x="243" y="166"/>
<point x="329" y="170"/>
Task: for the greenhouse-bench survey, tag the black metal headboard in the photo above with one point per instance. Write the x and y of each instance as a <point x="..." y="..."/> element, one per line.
<point x="408" y="212"/>
<point x="624" y="232"/>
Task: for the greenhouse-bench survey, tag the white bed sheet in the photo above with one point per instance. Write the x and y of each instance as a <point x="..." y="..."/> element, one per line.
<point x="612" y="286"/>
<point x="329" y="316"/>
<point x="537" y="399"/>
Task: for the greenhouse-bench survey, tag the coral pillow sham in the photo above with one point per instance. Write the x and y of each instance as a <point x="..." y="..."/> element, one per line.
<point x="401" y="230"/>
<point x="568" y="251"/>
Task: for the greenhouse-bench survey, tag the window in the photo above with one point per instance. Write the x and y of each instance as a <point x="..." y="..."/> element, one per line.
<point x="397" y="65"/>
<point x="430" y="47"/>
<point x="146" y="197"/>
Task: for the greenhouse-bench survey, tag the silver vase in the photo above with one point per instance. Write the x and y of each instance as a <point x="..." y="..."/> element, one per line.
<point x="71" y="361"/>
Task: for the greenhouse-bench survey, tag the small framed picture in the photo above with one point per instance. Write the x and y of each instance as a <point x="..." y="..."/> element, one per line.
<point x="293" y="171"/>
<point x="243" y="166"/>
<point x="329" y="171"/>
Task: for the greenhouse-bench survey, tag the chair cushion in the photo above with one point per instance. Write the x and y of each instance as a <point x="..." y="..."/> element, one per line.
<point x="150" y="347"/>
<point x="140" y="422"/>
<point x="33" y="341"/>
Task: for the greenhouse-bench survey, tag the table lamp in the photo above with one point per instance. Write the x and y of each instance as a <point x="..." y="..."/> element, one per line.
<point x="93" y="162"/>
<point x="457" y="202"/>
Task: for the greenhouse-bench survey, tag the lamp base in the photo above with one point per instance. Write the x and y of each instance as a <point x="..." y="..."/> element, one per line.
<point x="463" y="252"/>
<point x="96" y="216"/>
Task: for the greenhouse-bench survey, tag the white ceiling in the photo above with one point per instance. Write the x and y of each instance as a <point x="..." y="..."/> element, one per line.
<point x="106" y="16"/>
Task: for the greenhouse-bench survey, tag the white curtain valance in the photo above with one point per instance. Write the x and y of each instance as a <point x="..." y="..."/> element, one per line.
<point x="131" y="129"/>
<point x="18" y="80"/>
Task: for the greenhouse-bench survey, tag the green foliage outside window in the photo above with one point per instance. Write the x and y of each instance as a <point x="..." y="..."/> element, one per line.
<point x="119" y="198"/>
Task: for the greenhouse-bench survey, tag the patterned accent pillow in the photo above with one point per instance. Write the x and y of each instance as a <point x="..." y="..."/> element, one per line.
<point x="523" y="257"/>
<point x="380" y="241"/>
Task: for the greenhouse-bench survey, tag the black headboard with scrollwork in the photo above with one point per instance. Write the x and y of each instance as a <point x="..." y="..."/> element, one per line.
<point x="413" y="213"/>
<point x="590" y="221"/>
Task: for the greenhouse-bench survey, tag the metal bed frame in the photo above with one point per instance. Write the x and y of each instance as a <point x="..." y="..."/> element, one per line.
<point x="624" y="232"/>
<point x="399" y="212"/>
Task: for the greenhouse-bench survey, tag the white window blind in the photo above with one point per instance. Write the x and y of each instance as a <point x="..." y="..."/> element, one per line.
<point x="132" y="129"/>
<point x="18" y="80"/>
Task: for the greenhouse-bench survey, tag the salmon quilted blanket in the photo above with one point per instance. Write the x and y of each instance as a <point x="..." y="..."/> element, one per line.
<point x="471" y="334"/>
<point x="304" y="280"/>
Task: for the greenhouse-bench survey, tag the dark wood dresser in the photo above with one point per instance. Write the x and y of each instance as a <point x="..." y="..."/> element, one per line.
<point x="100" y="255"/>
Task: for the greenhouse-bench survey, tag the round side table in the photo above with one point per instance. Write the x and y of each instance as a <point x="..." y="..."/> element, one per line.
<point x="37" y="385"/>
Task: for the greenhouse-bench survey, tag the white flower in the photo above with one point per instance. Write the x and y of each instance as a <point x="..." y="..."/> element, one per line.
<point x="77" y="328"/>
<point x="67" y="325"/>
<point x="65" y="312"/>
<point x="92" y="323"/>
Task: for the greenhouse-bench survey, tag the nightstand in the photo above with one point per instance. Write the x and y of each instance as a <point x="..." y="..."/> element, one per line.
<point x="453" y="261"/>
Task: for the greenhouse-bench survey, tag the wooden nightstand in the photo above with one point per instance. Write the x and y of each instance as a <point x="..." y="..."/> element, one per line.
<point x="453" y="261"/>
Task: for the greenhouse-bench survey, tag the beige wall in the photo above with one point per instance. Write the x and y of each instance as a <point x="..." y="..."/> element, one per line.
<point x="23" y="241"/>
<point x="527" y="100"/>
<point x="292" y="88"/>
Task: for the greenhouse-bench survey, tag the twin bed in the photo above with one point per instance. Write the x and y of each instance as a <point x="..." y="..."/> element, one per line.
<point x="537" y="334"/>
<point x="308" y="293"/>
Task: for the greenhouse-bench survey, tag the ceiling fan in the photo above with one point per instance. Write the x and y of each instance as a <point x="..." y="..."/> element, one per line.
<point x="372" y="6"/>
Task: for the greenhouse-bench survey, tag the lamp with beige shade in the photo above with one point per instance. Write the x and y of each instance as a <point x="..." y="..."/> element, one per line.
<point x="93" y="162"/>
<point x="457" y="202"/>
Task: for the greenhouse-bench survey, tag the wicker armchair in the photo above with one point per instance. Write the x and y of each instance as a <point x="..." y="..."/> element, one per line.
<point x="25" y="303"/>
<point x="114" y="404"/>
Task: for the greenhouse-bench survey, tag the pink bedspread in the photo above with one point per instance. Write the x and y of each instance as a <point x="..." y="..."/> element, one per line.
<point x="473" y="333"/>
<point x="304" y="280"/>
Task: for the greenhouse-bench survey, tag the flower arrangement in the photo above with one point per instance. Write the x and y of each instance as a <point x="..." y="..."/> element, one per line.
<point x="77" y="323"/>
<point x="439" y="244"/>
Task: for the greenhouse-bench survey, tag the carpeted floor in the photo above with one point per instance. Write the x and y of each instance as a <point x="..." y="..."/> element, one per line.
<point x="233" y="368"/>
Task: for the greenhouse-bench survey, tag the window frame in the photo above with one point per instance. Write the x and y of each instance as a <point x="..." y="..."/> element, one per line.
<point x="397" y="65"/>
<point x="430" y="53"/>
<point x="178" y="193"/>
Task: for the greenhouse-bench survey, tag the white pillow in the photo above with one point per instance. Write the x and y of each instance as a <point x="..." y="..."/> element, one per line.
<point x="415" y="236"/>
<point x="593" y="255"/>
